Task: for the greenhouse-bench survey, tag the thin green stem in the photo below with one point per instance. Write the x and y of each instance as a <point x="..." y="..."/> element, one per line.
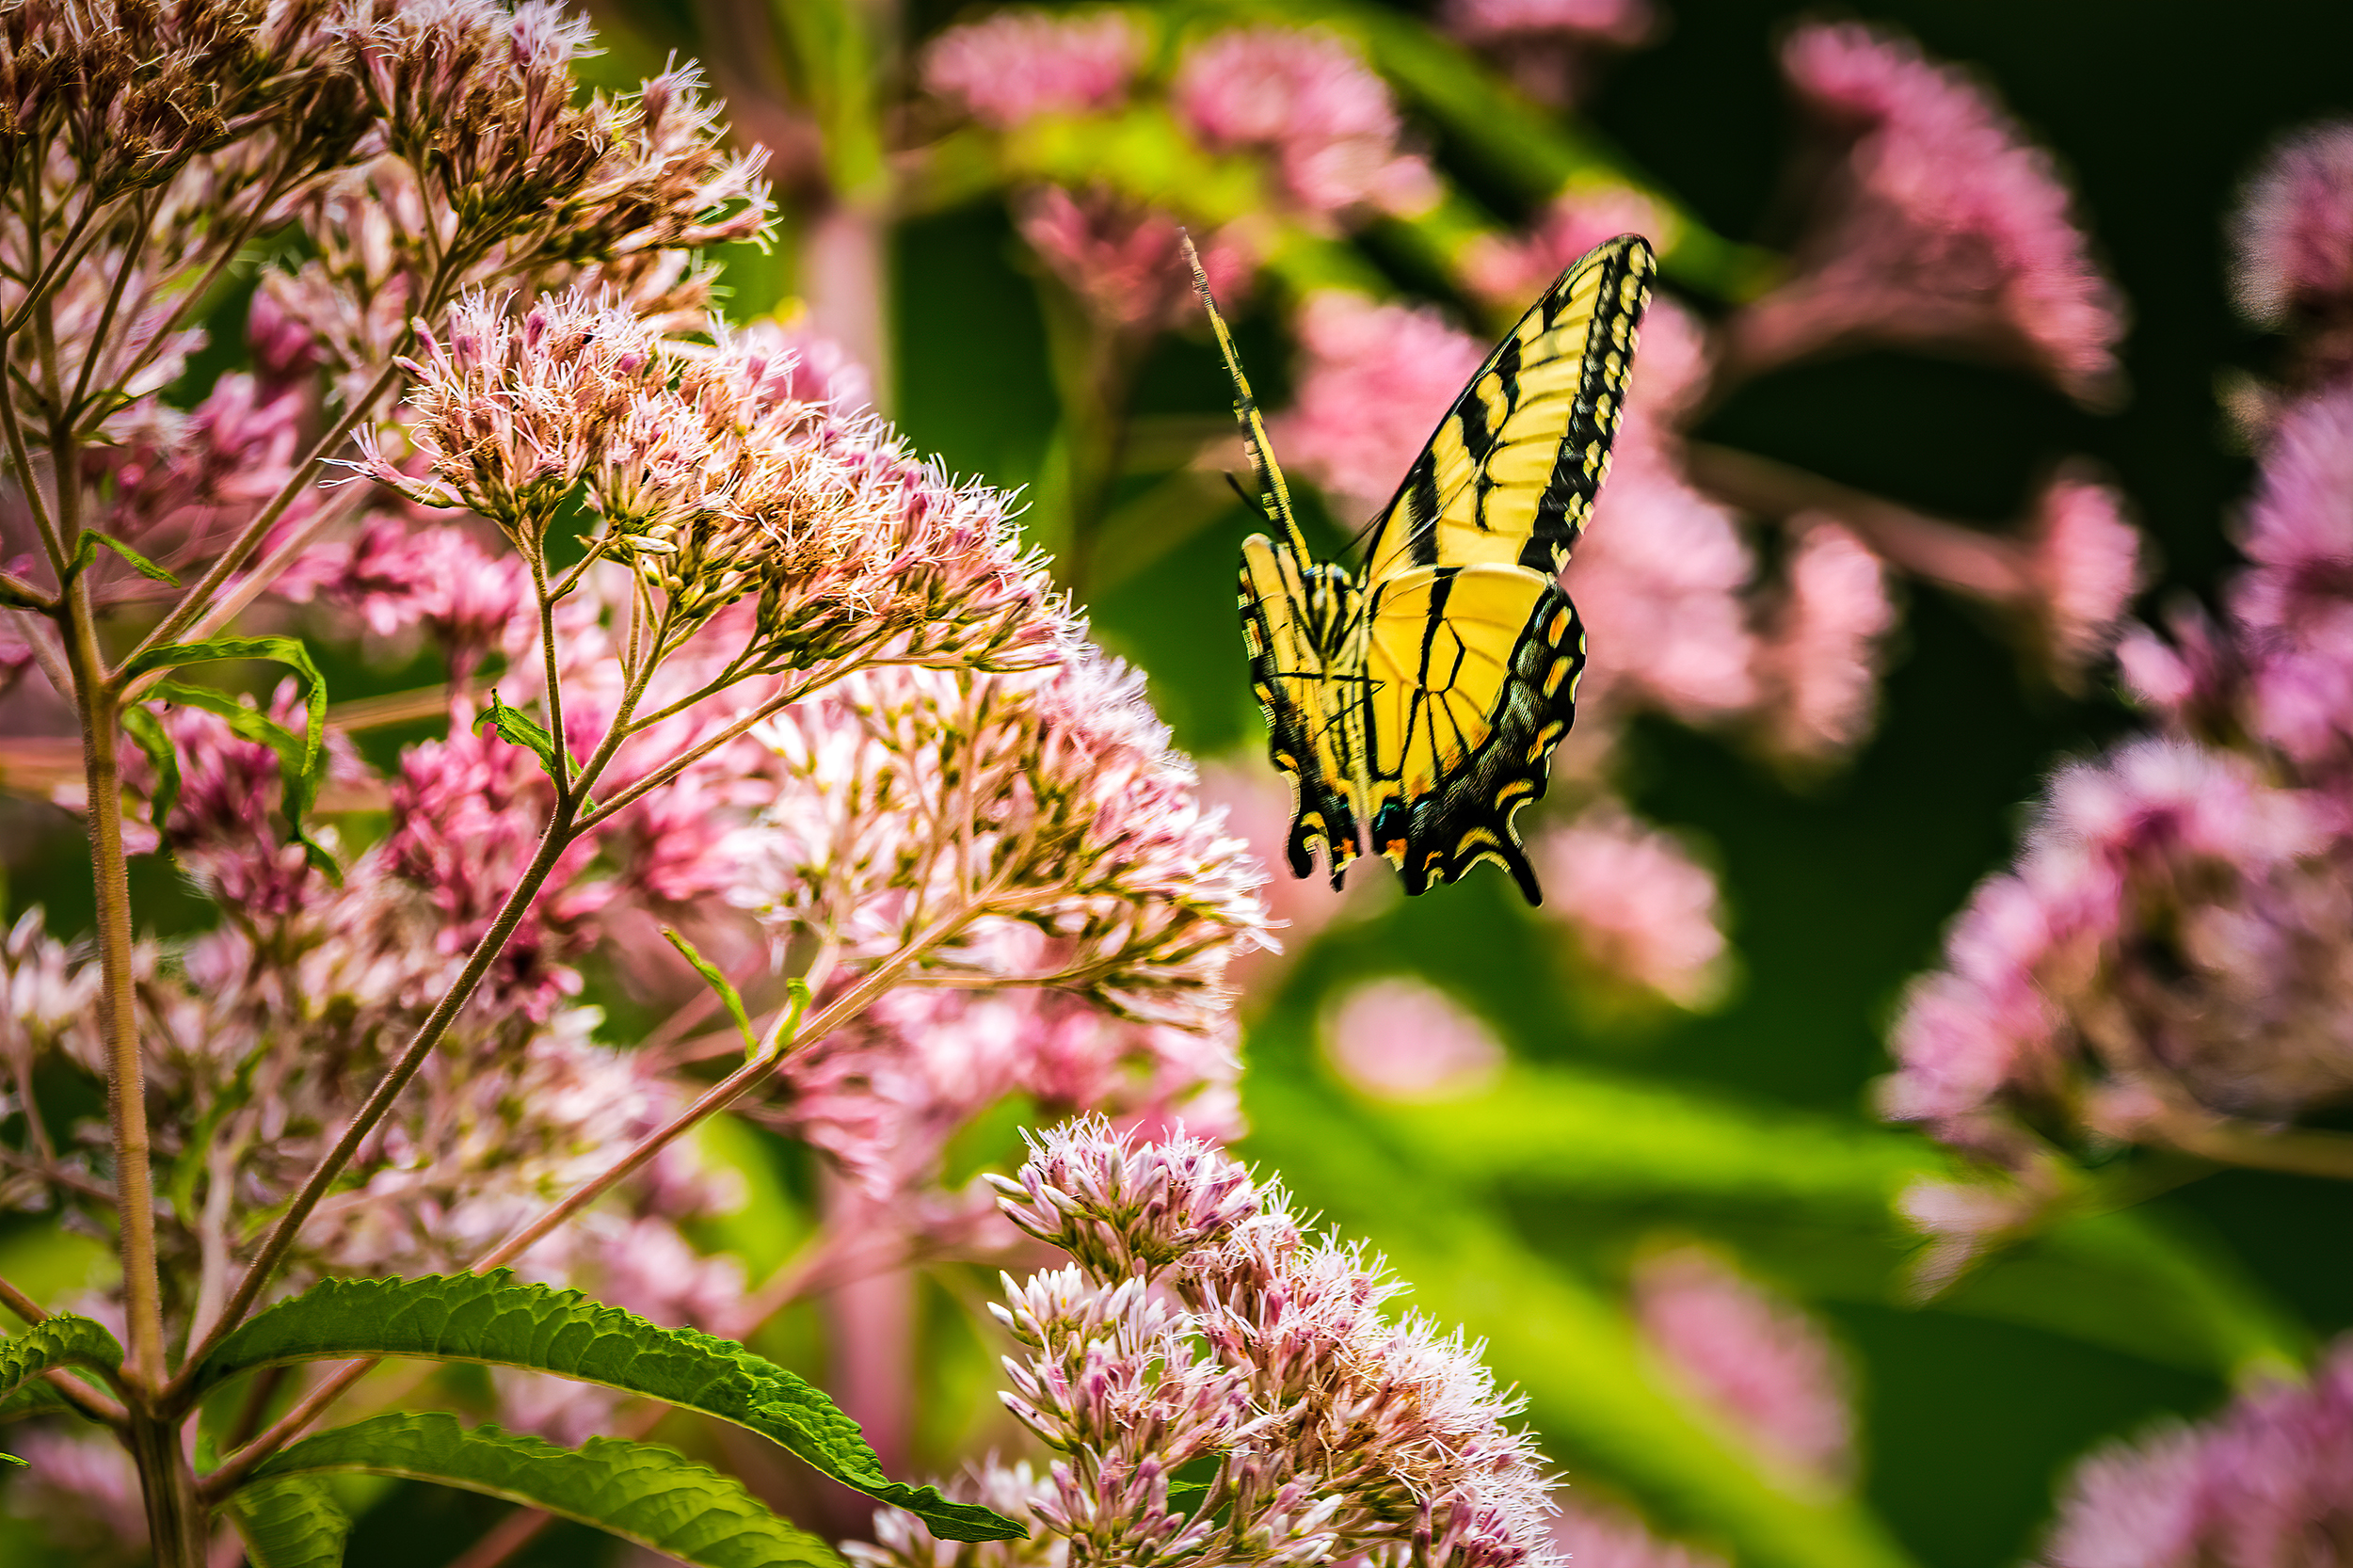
<point x="561" y="752"/>
<point x="93" y="349"/>
<point x="200" y="597"/>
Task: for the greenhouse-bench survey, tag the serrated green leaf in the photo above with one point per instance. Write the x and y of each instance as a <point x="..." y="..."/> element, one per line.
<point x="290" y="1522"/>
<point x="147" y="733"/>
<point x="92" y="539"/>
<point x="491" y="1319"/>
<point x="640" y="1491"/>
<point x="302" y="767"/>
<point x="63" y="1340"/>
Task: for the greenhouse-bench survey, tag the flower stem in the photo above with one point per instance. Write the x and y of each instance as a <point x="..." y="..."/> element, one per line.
<point x="553" y="843"/>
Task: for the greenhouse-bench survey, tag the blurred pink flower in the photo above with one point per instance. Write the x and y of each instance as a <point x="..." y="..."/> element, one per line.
<point x="1308" y="100"/>
<point x="1510" y="271"/>
<point x="1486" y="20"/>
<point x="396" y="575"/>
<point x="1821" y="660"/>
<point x="2173" y="942"/>
<point x="1593" y="1537"/>
<point x="1548" y="46"/>
<point x="2294" y="230"/>
<point x="1660" y="576"/>
<point x="1124" y="262"/>
<point x="1757" y="1360"/>
<point x="1373" y="380"/>
<point x="2267" y="1483"/>
<point x="2084" y="565"/>
<point x="1640" y="908"/>
<point x="2296" y="603"/>
<point x="1018" y="64"/>
<point x="1942" y="225"/>
<point x="1401" y="1039"/>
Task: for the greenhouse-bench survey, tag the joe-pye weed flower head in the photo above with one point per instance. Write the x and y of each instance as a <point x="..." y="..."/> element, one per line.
<point x="1218" y="1385"/>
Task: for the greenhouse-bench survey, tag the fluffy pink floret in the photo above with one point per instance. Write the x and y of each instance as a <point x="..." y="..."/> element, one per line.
<point x="2294" y="228"/>
<point x="1020" y="64"/>
<point x="1757" y="1360"/>
<point x="2083" y="564"/>
<point x="2297" y="600"/>
<point x="1639" y="907"/>
<point x="2268" y="1483"/>
<point x="1310" y="102"/>
<point x="1400" y="1039"/>
<point x="1824" y="655"/>
<point x="1373" y="380"/>
<point x="1944" y="225"/>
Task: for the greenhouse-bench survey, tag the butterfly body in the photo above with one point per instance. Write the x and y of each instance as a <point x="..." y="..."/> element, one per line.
<point x="1416" y="704"/>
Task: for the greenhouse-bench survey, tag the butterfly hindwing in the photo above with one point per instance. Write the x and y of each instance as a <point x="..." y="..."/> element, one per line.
<point x="1474" y="674"/>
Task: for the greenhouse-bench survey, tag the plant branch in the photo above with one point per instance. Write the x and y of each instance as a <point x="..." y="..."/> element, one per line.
<point x="2295" y="1151"/>
<point x="1967" y="559"/>
<point x="553" y="840"/>
<point x="199" y="598"/>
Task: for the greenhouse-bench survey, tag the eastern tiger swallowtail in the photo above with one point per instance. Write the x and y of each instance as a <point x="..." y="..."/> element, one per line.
<point x="1422" y="696"/>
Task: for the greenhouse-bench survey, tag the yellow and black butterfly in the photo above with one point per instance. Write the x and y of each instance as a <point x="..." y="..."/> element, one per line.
<point x="1422" y="696"/>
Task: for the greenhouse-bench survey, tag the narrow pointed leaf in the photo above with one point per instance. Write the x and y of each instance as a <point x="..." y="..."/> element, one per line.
<point x="147" y="733"/>
<point x="92" y="539"/>
<point x="720" y="984"/>
<point x="637" y="1491"/>
<point x="491" y="1319"/>
<point x="302" y="767"/>
<point x="298" y="783"/>
<point x="290" y="1522"/>
<point x="517" y="727"/>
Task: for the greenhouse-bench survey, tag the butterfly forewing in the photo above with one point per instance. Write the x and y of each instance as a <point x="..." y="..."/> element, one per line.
<point x="1512" y="471"/>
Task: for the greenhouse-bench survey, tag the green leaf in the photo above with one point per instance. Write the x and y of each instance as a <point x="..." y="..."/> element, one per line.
<point x="302" y="767"/>
<point x="290" y="1522"/>
<point x="727" y="993"/>
<point x="88" y="552"/>
<point x="36" y="1398"/>
<point x="63" y="1340"/>
<point x="299" y="784"/>
<point x="517" y="727"/>
<point x="491" y="1319"/>
<point x="147" y="731"/>
<point x="637" y="1491"/>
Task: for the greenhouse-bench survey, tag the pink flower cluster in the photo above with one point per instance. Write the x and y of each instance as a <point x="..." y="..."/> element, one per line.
<point x="2294" y="231"/>
<point x="2268" y="1483"/>
<point x="1124" y="262"/>
<point x="1026" y="849"/>
<point x="1400" y="1039"/>
<point x="2170" y="960"/>
<point x="1759" y="1362"/>
<point x="1217" y="1385"/>
<point x="1016" y="65"/>
<point x="1940" y="225"/>
<point x="1307" y="101"/>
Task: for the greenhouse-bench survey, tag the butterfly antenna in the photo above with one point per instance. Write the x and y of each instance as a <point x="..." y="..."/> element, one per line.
<point x="1276" y="495"/>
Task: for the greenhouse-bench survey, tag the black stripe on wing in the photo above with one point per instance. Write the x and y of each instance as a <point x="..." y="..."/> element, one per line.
<point x="1438" y="837"/>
